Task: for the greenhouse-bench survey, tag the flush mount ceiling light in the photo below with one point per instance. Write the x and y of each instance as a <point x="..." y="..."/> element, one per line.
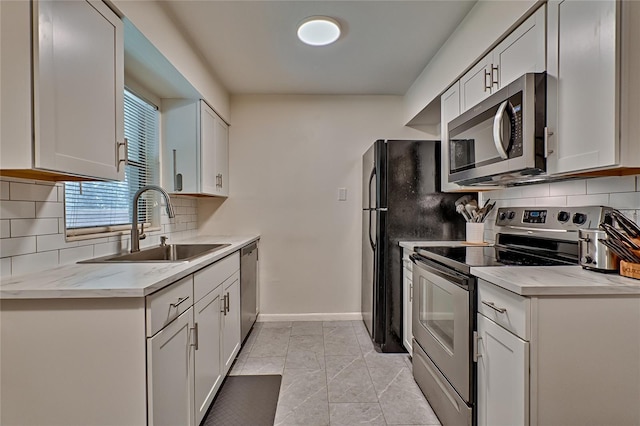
<point x="319" y="30"/>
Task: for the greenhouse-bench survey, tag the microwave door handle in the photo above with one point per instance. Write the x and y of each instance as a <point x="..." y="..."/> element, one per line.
<point x="497" y="130"/>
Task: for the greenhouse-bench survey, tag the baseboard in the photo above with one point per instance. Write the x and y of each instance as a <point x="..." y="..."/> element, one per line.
<point x="346" y="316"/>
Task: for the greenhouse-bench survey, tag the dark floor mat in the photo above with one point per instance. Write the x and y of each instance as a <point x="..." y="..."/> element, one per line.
<point x="245" y="401"/>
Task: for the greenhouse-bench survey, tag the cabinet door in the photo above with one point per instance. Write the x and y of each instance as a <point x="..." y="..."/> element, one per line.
<point x="231" y="322"/>
<point x="78" y="88"/>
<point x="475" y="85"/>
<point x="582" y="85"/>
<point x="208" y="155"/>
<point x="503" y="376"/>
<point x="170" y="366"/>
<point x="222" y="156"/>
<point x="208" y="371"/>
<point x="522" y="51"/>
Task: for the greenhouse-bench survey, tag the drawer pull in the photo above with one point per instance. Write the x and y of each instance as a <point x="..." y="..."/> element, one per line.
<point x="494" y="307"/>
<point x="196" y="337"/>
<point x="179" y="302"/>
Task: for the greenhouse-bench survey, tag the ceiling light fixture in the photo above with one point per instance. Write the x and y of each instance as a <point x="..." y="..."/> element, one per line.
<point x="318" y="30"/>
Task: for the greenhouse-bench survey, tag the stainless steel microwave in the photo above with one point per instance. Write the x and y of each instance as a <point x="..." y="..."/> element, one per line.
<point x="501" y="139"/>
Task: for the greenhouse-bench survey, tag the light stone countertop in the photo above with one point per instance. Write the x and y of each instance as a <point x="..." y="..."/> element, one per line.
<point x="556" y="281"/>
<point x="114" y="280"/>
<point x="411" y="244"/>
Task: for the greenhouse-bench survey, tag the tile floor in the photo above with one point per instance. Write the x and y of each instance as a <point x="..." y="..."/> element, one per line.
<point x="331" y="375"/>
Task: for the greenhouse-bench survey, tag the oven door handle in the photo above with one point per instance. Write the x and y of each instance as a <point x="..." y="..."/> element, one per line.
<point x="497" y="131"/>
<point x="457" y="279"/>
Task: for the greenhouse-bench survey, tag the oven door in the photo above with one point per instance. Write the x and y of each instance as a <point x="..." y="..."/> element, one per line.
<point x="441" y="321"/>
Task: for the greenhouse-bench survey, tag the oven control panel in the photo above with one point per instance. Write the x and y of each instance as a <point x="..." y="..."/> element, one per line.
<point x="552" y="218"/>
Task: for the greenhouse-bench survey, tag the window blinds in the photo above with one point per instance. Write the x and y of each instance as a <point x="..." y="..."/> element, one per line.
<point x="106" y="206"/>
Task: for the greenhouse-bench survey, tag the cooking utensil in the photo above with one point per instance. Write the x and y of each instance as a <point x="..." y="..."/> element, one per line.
<point x="617" y="235"/>
<point x="461" y="209"/>
<point x="471" y="210"/>
<point x="627" y="224"/>
<point x="463" y="200"/>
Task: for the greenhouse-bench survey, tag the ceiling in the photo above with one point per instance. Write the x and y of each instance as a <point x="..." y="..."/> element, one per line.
<point x="251" y="46"/>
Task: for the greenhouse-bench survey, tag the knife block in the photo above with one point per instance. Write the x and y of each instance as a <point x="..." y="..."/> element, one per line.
<point x="631" y="270"/>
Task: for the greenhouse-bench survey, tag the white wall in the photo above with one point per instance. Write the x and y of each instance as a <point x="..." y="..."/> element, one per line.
<point x="622" y="193"/>
<point x="288" y="157"/>
<point x="32" y="236"/>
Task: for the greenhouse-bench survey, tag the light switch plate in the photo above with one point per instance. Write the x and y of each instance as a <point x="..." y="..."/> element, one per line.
<point x="342" y="194"/>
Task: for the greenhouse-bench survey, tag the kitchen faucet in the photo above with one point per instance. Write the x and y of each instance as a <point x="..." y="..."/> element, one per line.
<point x="135" y="236"/>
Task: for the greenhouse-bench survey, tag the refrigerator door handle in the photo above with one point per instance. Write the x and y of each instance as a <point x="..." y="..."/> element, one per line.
<point x="371" y="176"/>
<point x="373" y="245"/>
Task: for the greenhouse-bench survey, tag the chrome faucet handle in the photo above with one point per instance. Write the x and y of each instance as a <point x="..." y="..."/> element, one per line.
<point x="163" y="240"/>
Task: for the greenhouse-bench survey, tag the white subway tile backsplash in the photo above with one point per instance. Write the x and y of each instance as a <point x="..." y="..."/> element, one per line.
<point x="17" y="246"/>
<point x="49" y="209"/>
<point x="34" y="262"/>
<point x="5" y="267"/>
<point x="588" y="200"/>
<point x="75" y="254"/>
<point x="5" y="228"/>
<point x="625" y="200"/>
<point x="17" y="209"/>
<point x="569" y="187"/>
<point x="33" y="192"/>
<point x="27" y="227"/>
<point x="4" y="190"/>
<point x="609" y="185"/>
<point x="32" y="228"/>
<point x="559" y="201"/>
<point x="53" y="242"/>
<point x="540" y="190"/>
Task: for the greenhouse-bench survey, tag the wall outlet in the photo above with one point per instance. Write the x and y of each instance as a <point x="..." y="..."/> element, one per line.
<point x="342" y="194"/>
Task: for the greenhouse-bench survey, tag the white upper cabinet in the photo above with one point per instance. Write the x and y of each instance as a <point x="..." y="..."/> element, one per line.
<point x="196" y="145"/>
<point x="62" y="80"/>
<point x="522" y="51"/>
<point x="593" y="85"/>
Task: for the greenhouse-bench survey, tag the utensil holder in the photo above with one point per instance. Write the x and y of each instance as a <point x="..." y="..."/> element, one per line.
<point x="475" y="232"/>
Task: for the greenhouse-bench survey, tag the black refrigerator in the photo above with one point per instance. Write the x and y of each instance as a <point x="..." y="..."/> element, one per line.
<point x="401" y="201"/>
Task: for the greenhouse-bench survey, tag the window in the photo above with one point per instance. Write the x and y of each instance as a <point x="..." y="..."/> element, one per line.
<point x="95" y="207"/>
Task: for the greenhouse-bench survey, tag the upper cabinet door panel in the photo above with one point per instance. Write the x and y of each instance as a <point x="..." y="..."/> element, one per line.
<point x="208" y="160"/>
<point x="582" y="85"/>
<point x="523" y="50"/>
<point x="222" y="156"/>
<point x="475" y="85"/>
<point x="78" y="88"/>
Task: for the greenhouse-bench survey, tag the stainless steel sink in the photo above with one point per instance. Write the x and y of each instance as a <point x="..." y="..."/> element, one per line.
<point x="166" y="253"/>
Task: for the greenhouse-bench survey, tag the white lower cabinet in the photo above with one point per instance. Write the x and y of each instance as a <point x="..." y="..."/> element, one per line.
<point x="503" y="376"/>
<point x="208" y="374"/>
<point x="170" y="376"/>
<point x="557" y="359"/>
<point x="230" y="339"/>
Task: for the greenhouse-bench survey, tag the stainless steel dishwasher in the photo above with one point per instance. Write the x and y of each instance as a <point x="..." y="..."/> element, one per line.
<point x="248" y="287"/>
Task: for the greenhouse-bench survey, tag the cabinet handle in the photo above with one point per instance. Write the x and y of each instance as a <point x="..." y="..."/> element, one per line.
<point x="487" y="86"/>
<point x="494" y="307"/>
<point x="547" y="133"/>
<point x="476" y="354"/>
<point x="221" y="180"/>
<point x="177" y="177"/>
<point x="124" y="160"/>
<point x="411" y="292"/>
<point x="224" y="304"/>
<point x="179" y="302"/>
<point x="228" y="298"/>
<point x="196" y="336"/>
<point x="494" y="82"/>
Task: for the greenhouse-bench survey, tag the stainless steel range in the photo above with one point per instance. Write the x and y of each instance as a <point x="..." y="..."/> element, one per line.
<point x="444" y="306"/>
